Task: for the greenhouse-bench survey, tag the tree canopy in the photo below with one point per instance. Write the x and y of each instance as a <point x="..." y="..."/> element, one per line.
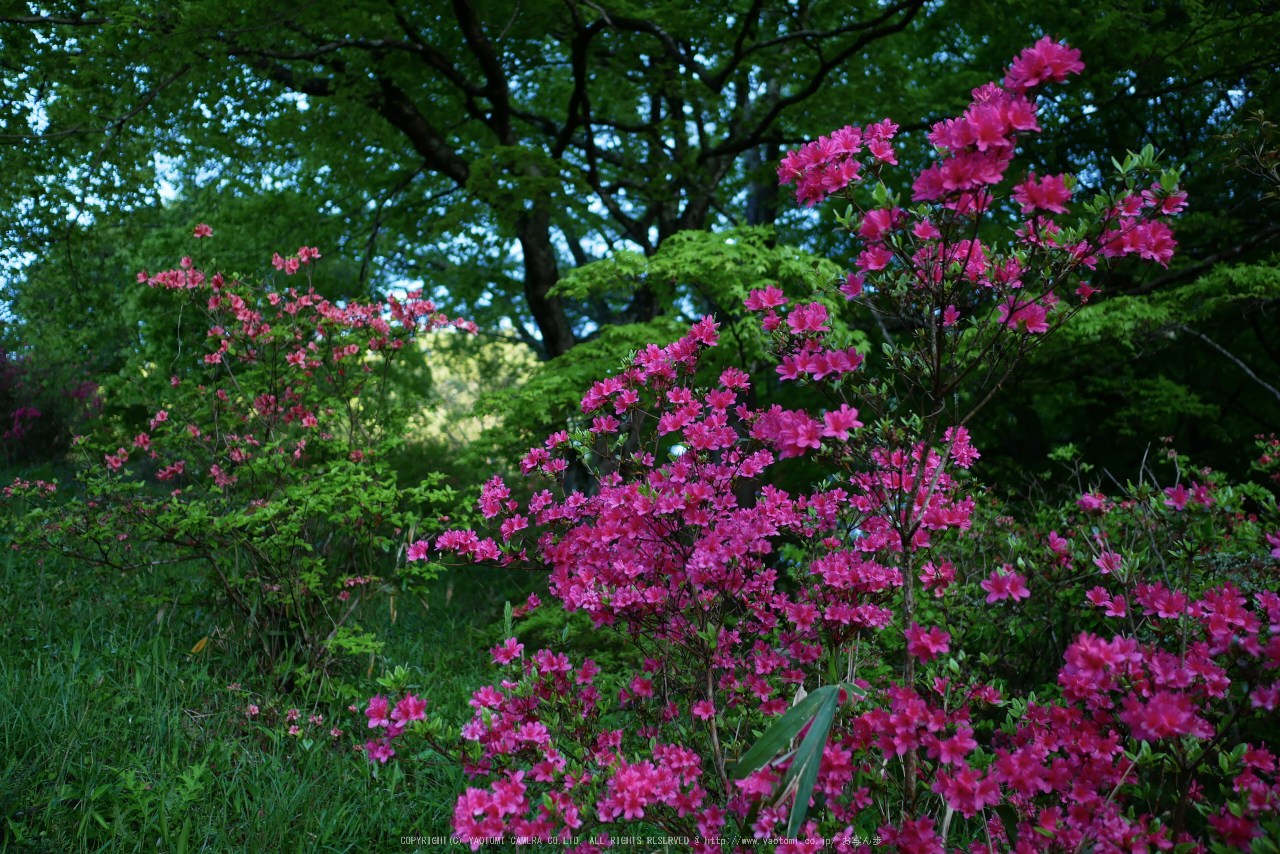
<point x="486" y="149"/>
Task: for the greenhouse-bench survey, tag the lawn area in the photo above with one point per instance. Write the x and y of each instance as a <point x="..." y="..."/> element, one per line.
<point x="116" y="737"/>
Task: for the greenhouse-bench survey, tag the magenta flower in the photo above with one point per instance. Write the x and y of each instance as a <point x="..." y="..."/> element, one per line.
<point x="927" y="646"/>
<point x="1177" y="497"/>
<point x="411" y="708"/>
<point x="1109" y="562"/>
<point x="1000" y="586"/>
<point x="379" y="750"/>
<point x="1048" y="194"/>
<point x="377" y="712"/>
<point x="507" y="652"/>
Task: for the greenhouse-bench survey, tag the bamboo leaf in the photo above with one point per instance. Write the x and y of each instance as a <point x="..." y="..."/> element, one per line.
<point x="808" y="757"/>
<point x="1009" y="819"/>
<point x="782" y="731"/>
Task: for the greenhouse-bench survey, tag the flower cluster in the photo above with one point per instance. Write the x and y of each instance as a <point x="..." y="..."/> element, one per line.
<point x="827" y="165"/>
<point x="798" y="667"/>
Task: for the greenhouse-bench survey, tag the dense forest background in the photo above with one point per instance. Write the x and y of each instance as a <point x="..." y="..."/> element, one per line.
<point x="580" y="179"/>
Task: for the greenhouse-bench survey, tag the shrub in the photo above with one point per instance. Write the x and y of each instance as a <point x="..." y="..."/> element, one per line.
<point x="41" y="403"/>
<point x="810" y="674"/>
<point x="263" y="463"/>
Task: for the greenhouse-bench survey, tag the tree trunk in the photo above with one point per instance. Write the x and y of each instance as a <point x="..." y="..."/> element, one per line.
<point x="540" y="275"/>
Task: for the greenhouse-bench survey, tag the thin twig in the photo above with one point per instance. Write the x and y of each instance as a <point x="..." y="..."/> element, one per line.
<point x="1215" y="345"/>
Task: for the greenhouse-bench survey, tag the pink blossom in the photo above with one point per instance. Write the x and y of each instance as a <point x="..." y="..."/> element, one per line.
<point x="1176" y="497"/>
<point x="874" y="258"/>
<point x="507" y="652"/>
<point x="377" y="712"/>
<point x="852" y="287"/>
<point x="1049" y="194"/>
<point x="770" y="297"/>
<point x="1046" y="61"/>
<point x="927" y="645"/>
<point x="1108" y="562"/>
<point x="1239" y="831"/>
<point x="1164" y="715"/>
<point x="1000" y="586"/>
<point x="839" y="422"/>
<point x="410" y="708"/>
<point x="1093" y="502"/>
<point x="379" y="750"/>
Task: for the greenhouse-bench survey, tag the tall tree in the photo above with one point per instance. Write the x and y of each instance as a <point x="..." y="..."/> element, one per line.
<point x="486" y="148"/>
<point x="566" y="127"/>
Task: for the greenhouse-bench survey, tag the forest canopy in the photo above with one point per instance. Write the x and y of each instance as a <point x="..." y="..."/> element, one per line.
<point x="510" y="156"/>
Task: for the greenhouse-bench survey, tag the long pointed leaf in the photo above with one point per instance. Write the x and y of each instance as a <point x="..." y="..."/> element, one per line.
<point x="783" y="730"/>
<point x="1009" y="818"/>
<point x="807" y="760"/>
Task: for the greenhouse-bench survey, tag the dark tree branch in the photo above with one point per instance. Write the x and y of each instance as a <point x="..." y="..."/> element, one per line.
<point x="113" y="123"/>
<point x="1238" y="362"/>
<point x="400" y="187"/>
<point x="36" y="20"/>
<point x="497" y="90"/>
<point x="737" y="144"/>
<point x="403" y="114"/>
<point x="312" y="87"/>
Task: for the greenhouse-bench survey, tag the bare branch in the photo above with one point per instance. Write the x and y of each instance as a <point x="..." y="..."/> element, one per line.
<point x="1241" y="364"/>
<point x="873" y="31"/>
<point x="52" y="19"/>
<point x="400" y="110"/>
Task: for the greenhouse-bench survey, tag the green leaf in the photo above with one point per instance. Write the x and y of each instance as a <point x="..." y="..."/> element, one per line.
<point x="783" y="730"/>
<point x="807" y="759"/>
<point x="184" y="836"/>
<point x="1009" y="818"/>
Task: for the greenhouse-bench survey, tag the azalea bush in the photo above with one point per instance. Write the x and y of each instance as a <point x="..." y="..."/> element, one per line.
<point x="263" y="461"/>
<point x="815" y="669"/>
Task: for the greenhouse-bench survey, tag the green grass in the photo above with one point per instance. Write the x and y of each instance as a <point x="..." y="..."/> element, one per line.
<point x="115" y="737"/>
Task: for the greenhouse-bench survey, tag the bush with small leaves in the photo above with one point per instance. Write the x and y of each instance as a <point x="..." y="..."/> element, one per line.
<point x="263" y="463"/>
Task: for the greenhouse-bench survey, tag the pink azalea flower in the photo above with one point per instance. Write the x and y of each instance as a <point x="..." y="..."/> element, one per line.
<point x="926" y="646"/>
<point x="1001" y="586"/>
<point x="507" y="652"/>
<point x="377" y="712"/>
<point x="411" y="708"/>
<point x="1176" y="497"/>
<point x="704" y="710"/>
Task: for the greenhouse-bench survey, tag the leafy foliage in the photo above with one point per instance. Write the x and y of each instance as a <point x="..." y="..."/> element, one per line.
<point x="809" y="674"/>
<point x="264" y="461"/>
